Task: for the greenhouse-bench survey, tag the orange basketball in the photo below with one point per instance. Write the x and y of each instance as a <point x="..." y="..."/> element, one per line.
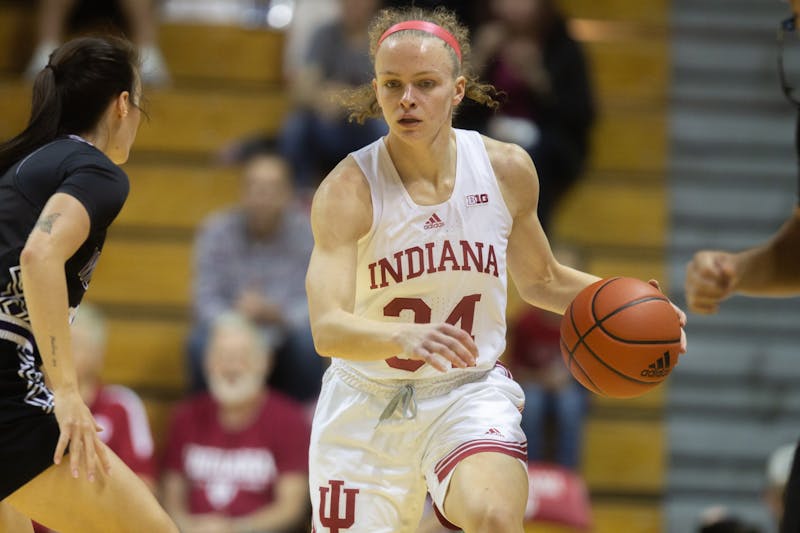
<point x="620" y="337"/>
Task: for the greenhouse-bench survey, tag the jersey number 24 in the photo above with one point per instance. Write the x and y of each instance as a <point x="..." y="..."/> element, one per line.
<point x="463" y="312"/>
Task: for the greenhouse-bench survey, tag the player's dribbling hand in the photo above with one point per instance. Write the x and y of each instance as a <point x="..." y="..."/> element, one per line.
<point x="678" y="311"/>
<point x="440" y="345"/>
<point x="710" y="278"/>
<point x="79" y="430"/>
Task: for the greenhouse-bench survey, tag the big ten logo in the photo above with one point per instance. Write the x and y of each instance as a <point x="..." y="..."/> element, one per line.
<point x="477" y="199"/>
<point x="330" y="516"/>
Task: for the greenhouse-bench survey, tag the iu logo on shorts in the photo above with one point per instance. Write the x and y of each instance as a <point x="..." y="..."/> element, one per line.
<point x="333" y="521"/>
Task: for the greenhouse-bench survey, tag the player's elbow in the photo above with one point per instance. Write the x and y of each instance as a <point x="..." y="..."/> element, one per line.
<point x="324" y="336"/>
<point x="33" y="255"/>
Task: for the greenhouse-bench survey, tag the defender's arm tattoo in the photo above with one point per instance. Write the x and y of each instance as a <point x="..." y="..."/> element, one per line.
<point x="53" y="350"/>
<point x="45" y="223"/>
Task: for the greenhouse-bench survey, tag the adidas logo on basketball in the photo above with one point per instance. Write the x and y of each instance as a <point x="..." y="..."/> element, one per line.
<point x="433" y="222"/>
<point x="659" y="368"/>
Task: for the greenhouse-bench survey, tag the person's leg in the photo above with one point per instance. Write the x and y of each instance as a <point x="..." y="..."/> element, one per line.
<point x="363" y="476"/>
<point x="475" y="465"/>
<point x="119" y="502"/>
<point x="195" y="352"/>
<point x="141" y="17"/>
<point x="296" y="143"/>
<point x="337" y="137"/>
<point x="51" y="21"/>
<point x="570" y="408"/>
<point x="488" y="494"/>
<point x="12" y="520"/>
<point x="533" y="419"/>
<point x="298" y="368"/>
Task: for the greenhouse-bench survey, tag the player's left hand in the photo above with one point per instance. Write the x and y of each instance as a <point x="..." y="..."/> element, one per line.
<point x="79" y="430"/>
<point x="678" y="311"/>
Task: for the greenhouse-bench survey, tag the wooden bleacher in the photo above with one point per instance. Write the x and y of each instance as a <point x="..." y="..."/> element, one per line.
<point x="228" y="84"/>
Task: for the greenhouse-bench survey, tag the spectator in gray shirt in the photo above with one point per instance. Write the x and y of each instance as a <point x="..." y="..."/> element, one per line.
<point x="252" y="258"/>
<point x="317" y="133"/>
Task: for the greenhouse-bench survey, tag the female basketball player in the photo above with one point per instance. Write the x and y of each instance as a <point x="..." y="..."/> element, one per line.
<point x="60" y="189"/>
<point x="407" y="292"/>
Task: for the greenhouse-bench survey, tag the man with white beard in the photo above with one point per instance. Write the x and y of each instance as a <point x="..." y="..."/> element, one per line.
<point x="237" y="456"/>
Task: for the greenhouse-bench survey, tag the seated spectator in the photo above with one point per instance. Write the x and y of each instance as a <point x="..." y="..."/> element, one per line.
<point x="56" y="17"/>
<point x="317" y="133"/>
<point x="117" y="409"/>
<point x="252" y="258"/>
<point x="526" y="51"/>
<point x="551" y="393"/>
<point x="236" y="458"/>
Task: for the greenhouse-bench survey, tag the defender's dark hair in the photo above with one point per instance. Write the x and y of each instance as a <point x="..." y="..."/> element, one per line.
<point x="72" y="92"/>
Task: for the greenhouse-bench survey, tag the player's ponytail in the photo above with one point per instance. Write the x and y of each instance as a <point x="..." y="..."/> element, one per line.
<point x="72" y="92"/>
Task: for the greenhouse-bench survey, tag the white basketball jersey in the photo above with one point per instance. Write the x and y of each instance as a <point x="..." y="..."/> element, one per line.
<point x="434" y="263"/>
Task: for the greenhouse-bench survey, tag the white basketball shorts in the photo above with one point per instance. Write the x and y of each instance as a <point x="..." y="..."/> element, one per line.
<point x="367" y="476"/>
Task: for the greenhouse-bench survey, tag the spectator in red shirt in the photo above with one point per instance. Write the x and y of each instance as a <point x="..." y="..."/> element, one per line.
<point x="237" y="456"/>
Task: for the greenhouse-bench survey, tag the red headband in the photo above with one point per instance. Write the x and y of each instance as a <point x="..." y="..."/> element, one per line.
<point x="427" y="27"/>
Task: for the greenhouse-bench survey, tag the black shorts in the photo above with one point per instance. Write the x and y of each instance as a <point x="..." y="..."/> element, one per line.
<point x="26" y="450"/>
<point x="28" y="428"/>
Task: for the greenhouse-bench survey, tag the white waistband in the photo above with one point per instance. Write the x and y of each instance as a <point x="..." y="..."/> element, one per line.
<point x="423" y="388"/>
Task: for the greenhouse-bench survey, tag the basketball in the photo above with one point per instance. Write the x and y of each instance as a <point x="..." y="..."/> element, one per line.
<point x="620" y="337"/>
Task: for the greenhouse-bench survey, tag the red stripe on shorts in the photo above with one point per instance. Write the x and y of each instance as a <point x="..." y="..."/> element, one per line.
<point x="505" y="370"/>
<point x="518" y="450"/>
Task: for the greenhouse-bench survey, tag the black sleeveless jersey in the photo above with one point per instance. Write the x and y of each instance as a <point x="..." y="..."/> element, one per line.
<point x="67" y="165"/>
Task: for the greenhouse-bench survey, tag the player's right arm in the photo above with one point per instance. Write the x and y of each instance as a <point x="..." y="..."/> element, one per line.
<point x="770" y="269"/>
<point x="340" y="215"/>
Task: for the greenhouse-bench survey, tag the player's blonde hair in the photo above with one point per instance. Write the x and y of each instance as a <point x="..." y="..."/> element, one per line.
<point x="361" y="102"/>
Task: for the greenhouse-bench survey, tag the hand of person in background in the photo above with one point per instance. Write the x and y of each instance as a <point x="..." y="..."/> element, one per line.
<point x="711" y="277"/>
<point x="487" y="42"/>
<point x="258" y="308"/>
<point x="524" y="56"/>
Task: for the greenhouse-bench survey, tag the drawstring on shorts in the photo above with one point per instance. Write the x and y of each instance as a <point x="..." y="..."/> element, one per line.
<point x="405" y="400"/>
<point x="402" y="395"/>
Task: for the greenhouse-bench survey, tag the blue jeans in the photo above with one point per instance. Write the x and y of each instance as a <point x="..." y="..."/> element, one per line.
<point x="567" y="406"/>
<point x="314" y="144"/>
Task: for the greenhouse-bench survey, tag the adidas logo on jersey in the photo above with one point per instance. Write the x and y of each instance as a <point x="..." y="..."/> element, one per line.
<point x="659" y="368"/>
<point x="433" y="222"/>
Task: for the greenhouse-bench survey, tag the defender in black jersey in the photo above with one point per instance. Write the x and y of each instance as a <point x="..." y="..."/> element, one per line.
<point x="769" y="269"/>
<point x="60" y="190"/>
